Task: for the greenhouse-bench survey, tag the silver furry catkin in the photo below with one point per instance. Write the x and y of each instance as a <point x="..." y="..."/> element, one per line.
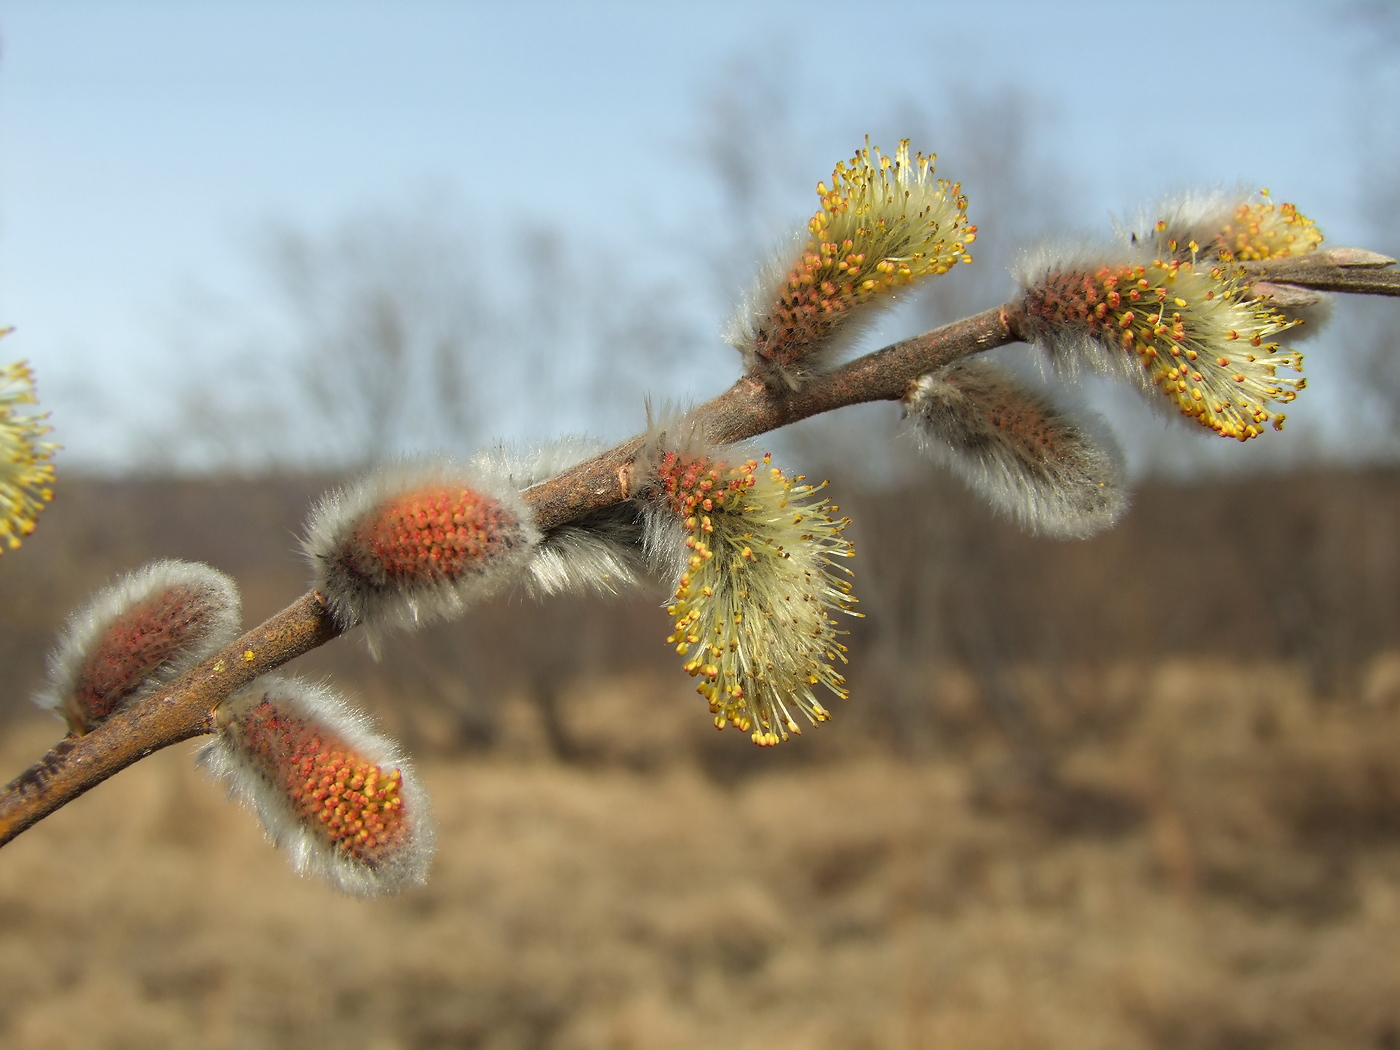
<point x="415" y="542"/>
<point x="1017" y="450"/>
<point x="342" y="800"/>
<point x="136" y="635"/>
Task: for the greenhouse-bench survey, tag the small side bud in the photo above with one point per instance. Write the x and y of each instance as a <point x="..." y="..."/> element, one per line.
<point x="601" y="552"/>
<point x="1189" y="329"/>
<point x="1017" y="450"/>
<point x="136" y="635"/>
<point x="1359" y="257"/>
<point x="883" y="224"/>
<point x="416" y="542"/>
<point x="338" y="797"/>
<point x="26" y="461"/>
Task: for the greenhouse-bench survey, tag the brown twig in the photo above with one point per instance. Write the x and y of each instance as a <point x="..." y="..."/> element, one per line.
<point x="1352" y="270"/>
<point x="185" y="708"/>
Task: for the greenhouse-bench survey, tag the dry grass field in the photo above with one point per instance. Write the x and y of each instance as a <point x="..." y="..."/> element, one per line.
<point x="1181" y="846"/>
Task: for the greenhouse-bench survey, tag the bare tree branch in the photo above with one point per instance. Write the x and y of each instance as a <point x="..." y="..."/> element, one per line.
<point x="745" y="410"/>
<point x="184" y="710"/>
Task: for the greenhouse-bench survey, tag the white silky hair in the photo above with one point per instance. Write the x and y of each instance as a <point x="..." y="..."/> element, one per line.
<point x="1071" y="495"/>
<point x="309" y="853"/>
<point x="87" y="625"/>
<point x="602" y="552"/>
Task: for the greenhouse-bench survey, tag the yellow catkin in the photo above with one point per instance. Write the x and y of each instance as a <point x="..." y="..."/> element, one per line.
<point x="884" y="222"/>
<point x="752" y="607"/>
<point x="1203" y="343"/>
<point x="26" y="461"/>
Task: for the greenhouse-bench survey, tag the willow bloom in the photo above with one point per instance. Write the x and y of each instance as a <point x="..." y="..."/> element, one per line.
<point x="883" y="224"/>
<point x="1232" y="228"/>
<point x="416" y="542"/>
<point x="26" y="467"/>
<point x="1190" y="327"/>
<point x="1021" y="453"/>
<point x="752" y="608"/>
<point x="338" y="797"/>
<point x="136" y="635"/>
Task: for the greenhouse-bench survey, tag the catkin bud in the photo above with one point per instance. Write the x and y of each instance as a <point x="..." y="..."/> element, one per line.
<point x="883" y="224"/>
<point x="136" y="635"/>
<point x="1189" y="329"/>
<point x="601" y="552"/>
<point x="416" y="542"/>
<point x="338" y="797"/>
<point x="1025" y="456"/>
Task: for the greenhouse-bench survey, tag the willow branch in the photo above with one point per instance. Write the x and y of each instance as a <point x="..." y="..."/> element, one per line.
<point x="747" y="409"/>
<point x="1352" y="270"/>
<point x="185" y="708"/>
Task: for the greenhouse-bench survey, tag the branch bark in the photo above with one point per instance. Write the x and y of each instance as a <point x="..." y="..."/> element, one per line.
<point x="1352" y="270"/>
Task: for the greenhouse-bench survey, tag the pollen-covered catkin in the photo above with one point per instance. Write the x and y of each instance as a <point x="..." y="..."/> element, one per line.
<point x="341" y="799"/>
<point x="1188" y="329"/>
<point x="1234" y="227"/>
<point x="136" y="635"/>
<point x="1229" y="227"/>
<point x="415" y="542"/>
<point x="753" y="604"/>
<point x="26" y="460"/>
<point x="1025" y="456"/>
<point x="883" y="224"/>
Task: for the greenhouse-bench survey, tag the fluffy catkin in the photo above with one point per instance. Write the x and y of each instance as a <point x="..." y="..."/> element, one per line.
<point x="1189" y="329"/>
<point x="417" y="541"/>
<point x="1230" y="225"/>
<point x="340" y="799"/>
<point x="1015" y="448"/>
<point x="757" y="585"/>
<point x="136" y="635"/>
<point x="883" y="224"/>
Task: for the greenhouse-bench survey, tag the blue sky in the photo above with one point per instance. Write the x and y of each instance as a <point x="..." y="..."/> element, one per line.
<point x="144" y="146"/>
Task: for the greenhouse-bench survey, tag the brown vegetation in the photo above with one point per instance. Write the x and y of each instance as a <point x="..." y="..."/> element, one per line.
<point x="1139" y="791"/>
